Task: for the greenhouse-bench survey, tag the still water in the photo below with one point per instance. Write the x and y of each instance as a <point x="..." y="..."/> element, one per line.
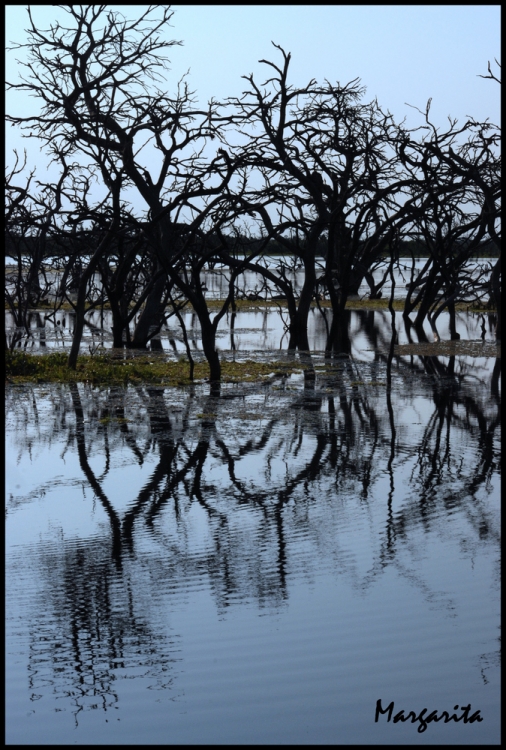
<point x="264" y="329"/>
<point x="261" y="566"/>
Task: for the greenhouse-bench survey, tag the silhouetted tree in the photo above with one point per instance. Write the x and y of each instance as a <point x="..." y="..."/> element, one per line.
<point x="31" y="221"/>
<point x="455" y="205"/>
<point x="97" y="80"/>
<point x="329" y="165"/>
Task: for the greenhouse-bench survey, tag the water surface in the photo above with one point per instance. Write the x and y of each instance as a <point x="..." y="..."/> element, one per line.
<point x="256" y="567"/>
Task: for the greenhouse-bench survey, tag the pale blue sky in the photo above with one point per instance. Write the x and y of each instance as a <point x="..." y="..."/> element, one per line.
<point x="401" y="53"/>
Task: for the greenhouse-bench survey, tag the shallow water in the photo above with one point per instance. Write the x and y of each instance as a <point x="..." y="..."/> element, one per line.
<point x="246" y="331"/>
<point x="258" y="567"/>
<point x="262" y="330"/>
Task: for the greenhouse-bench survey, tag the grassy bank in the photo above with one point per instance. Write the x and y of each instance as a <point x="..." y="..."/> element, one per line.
<point x="245" y="305"/>
<point x="113" y="369"/>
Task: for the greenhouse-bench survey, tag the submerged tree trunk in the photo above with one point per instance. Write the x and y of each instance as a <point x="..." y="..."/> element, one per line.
<point x="81" y="299"/>
<point x="209" y="346"/>
<point x="150" y="316"/>
<point x="338" y="340"/>
<point x="337" y="276"/>
<point x="300" y="338"/>
<point x="194" y="294"/>
<point x="208" y="330"/>
<point x="495" y="293"/>
<point x="454" y="335"/>
<point x="119" y="321"/>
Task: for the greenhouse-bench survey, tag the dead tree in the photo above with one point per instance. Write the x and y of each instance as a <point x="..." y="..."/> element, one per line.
<point x="455" y="205"/>
<point x="98" y="81"/>
<point x="330" y="170"/>
<point x="31" y="220"/>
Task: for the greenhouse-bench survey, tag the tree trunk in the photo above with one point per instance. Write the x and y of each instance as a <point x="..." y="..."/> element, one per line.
<point x="79" y="324"/>
<point x="454" y="335"/>
<point x="81" y="296"/>
<point x="495" y="289"/>
<point x="338" y="340"/>
<point x="209" y="347"/>
<point x="118" y="322"/>
<point x="150" y="315"/>
<point x="304" y="307"/>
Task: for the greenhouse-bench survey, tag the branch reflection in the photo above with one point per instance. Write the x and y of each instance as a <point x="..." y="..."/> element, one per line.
<point x="243" y="491"/>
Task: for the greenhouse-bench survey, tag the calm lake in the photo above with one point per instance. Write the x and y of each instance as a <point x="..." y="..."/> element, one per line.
<point x="261" y="566"/>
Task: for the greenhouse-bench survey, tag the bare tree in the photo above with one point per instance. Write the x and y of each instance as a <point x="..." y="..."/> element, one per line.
<point x="330" y="169"/>
<point x="455" y="203"/>
<point x="98" y="81"/>
<point x="31" y="221"/>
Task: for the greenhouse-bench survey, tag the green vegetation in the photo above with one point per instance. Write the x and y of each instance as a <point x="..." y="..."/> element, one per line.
<point x="398" y="305"/>
<point x="246" y="305"/>
<point x="111" y="369"/>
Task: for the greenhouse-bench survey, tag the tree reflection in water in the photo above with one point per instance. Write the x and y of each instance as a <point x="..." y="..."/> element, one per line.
<point x="244" y="489"/>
